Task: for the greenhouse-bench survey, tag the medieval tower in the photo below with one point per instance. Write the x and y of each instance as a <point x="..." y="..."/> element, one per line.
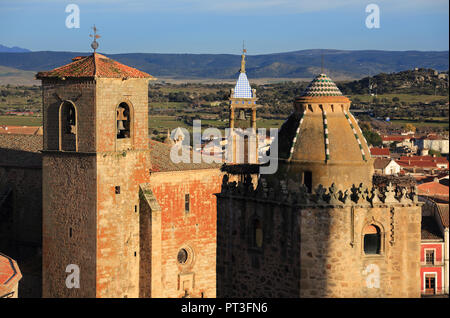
<point x="94" y="158"/>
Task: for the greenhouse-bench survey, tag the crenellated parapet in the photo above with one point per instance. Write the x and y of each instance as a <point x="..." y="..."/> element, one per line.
<point x="288" y="192"/>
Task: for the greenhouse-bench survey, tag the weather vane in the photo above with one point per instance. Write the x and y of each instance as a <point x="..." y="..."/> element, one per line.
<point x="243" y="47"/>
<point x="94" y="44"/>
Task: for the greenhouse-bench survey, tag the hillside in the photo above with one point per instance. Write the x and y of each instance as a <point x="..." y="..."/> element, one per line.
<point x="417" y="81"/>
<point x="339" y="64"/>
<point x="13" y="76"/>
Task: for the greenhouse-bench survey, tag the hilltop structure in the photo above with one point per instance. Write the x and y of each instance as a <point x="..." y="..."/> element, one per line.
<point x="318" y="227"/>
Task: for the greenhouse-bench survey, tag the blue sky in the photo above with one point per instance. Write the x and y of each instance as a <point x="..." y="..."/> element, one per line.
<point x="220" y="26"/>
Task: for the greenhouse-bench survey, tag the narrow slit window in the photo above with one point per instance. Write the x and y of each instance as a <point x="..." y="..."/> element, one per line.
<point x="307" y="180"/>
<point x="187" y="203"/>
<point x="257" y="233"/>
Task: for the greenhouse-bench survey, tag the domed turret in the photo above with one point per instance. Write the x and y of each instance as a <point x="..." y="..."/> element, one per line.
<point x="321" y="142"/>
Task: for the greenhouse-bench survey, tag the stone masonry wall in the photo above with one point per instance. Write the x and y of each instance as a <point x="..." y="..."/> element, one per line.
<point x="195" y="231"/>
<point x="313" y="243"/>
<point x="69" y="190"/>
<point x="118" y="221"/>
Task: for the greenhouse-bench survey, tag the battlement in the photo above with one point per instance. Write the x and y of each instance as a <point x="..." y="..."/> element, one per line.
<point x="289" y="192"/>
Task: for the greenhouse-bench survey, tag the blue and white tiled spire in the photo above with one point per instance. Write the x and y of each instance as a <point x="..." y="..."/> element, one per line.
<point x="242" y="88"/>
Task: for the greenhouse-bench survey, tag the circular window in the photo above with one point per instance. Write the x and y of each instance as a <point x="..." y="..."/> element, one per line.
<point x="182" y="256"/>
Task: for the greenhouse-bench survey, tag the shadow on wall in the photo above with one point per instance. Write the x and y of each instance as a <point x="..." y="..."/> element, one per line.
<point x="260" y="253"/>
<point x="21" y="215"/>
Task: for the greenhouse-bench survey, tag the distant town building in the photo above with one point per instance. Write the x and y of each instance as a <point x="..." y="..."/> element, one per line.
<point x="433" y="142"/>
<point x="434" y="255"/>
<point x="386" y="166"/>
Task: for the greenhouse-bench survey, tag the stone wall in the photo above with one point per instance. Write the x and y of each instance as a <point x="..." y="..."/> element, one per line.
<point x="21" y="224"/>
<point x="194" y="231"/>
<point x="69" y="188"/>
<point x="312" y="244"/>
<point x="118" y="221"/>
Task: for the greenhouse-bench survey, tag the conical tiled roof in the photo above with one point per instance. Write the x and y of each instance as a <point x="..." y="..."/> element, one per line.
<point x="95" y="65"/>
<point x="242" y="88"/>
<point x="323" y="138"/>
<point x="322" y="85"/>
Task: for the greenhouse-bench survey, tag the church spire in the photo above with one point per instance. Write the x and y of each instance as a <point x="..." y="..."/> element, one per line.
<point x="243" y="58"/>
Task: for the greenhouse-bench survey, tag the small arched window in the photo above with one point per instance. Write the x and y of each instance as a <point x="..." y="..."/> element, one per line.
<point x="257" y="233"/>
<point x="372" y="239"/>
<point x="68" y="127"/>
<point x="123" y="118"/>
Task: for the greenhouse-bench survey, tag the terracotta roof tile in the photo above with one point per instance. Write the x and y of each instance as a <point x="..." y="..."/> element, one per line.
<point x="21" y="150"/>
<point x="433" y="189"/>
<point x="9" y="274"/>
<point x="379" y="151"/>
<point x="95" y="65"/>
<point x="381" y="163"/>
<point x="21" y="130"/>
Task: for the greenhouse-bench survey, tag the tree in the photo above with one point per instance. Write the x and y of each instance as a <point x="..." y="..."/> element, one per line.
<point x="371" y="136"/>
<point x="395" y="99"/>
<point x="409" y="127"/>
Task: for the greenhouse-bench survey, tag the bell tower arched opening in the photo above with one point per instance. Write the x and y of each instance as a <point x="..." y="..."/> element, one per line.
<point x="68" y="127"/>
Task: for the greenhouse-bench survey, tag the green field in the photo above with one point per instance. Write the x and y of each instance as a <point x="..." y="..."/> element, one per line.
<point x="441" y="124"/>
<point x="20" y="120"/>
<point x="408" y="98"/>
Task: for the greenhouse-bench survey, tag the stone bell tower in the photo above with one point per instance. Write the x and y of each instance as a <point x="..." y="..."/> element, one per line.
<point x="94" y="158"/>
<point x="243" y="105"/>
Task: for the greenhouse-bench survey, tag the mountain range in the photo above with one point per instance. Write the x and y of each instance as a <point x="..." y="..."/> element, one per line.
<point x="14" y="49"/>
<point x="304" y="64"/>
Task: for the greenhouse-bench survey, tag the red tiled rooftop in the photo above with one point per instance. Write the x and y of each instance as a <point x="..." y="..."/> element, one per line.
<point x="433" y="189"/>
<point x="425" y="158"/>
<point x="379" y="151"/>
<point x="9" y="274"/>
<point x="95" y="65"/>
<point x="21" y="130"/>
<point x="416" y="163"/>
<point x="396" y="138"/>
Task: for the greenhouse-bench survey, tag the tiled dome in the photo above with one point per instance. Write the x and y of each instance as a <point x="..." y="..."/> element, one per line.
<point x="322" y="85"/>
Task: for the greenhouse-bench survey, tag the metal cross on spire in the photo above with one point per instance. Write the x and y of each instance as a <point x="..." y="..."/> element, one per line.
<point x="94" y="43"/>
<point x="243" y="57"/>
